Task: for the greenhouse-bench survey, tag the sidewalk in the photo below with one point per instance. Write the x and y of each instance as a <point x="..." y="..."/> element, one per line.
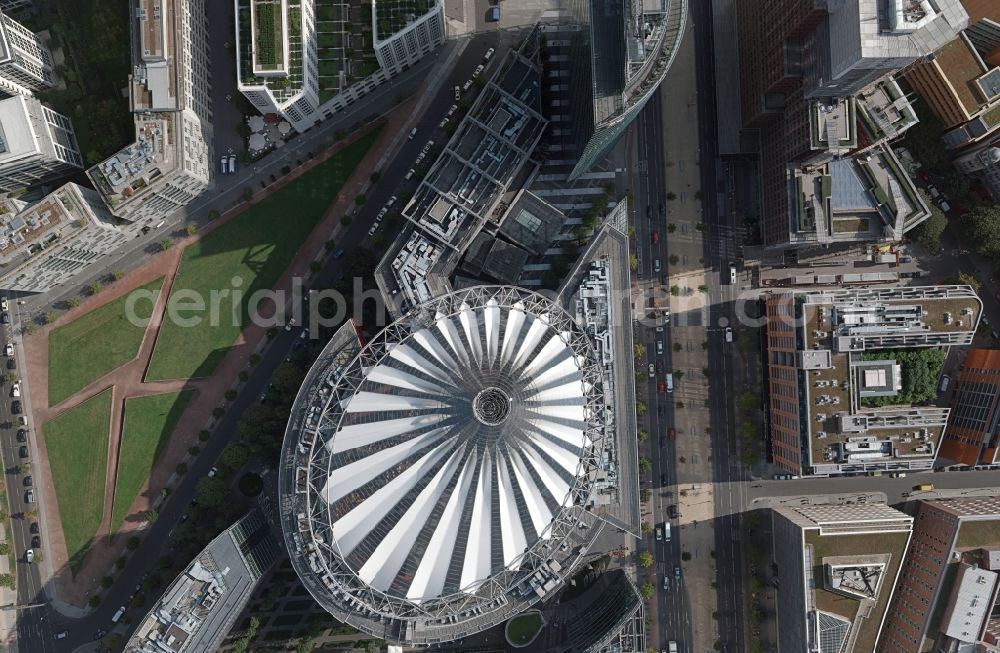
<point x="128" y="379"/>
<point x="8" y="618"/>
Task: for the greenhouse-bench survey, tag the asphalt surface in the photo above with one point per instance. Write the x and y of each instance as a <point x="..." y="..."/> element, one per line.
<point x="673" y="610"/>
<point x="37" y="625"/>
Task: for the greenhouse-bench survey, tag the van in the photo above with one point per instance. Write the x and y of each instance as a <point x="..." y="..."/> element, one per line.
<point x="656" y="265"/>
<point x="224" y="164"/>
<point x="413" y="133"/>
<point x="659" y="347"/>
<point x="666" y="531"/>
<point x="732" y="275"/>
<point x="670" y="382"/>
<point x="729" y="334"/>
<point x="117" y="616"/>
<point x="495" y="13"/>
<point x="945" y="382"/>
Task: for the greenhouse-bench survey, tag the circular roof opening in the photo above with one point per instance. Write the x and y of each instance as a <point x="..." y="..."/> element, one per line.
<point x="491" y="406"/>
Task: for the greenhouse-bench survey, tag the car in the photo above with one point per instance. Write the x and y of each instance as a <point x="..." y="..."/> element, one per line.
<point x="673" y="512"/>
<point x="467" y="85"/>
<point x="898" y="475"/>
<point x="451" y="110"/>
<point x="15" y="389"/>
<point x="36" y="542"/>
<point x="478" y="71"/>
<point x="729" y="334"/>
<point x="3" y="304"/>
<point x="29" y="556"/>
<point x="15" y="407"/>
<point x="99" y="634"/>
<point x="9" y="349"/>
<point x="413" y="134"/>
<point x="671" y="434"/>
<point x="666" y="583"/>
<point x="373" y="229"/>
<point x="489" y="53"/>
<point x="29" y="496"/>
<point x="656" y="265"/>
<point x="659" y="533"/>
<point x="652" y="369"/>
<point x="659" y="347"/>
<point x="5" y="318"/>
<point x="183" y="518"/>
<point x="116" y="617"/>
<point x="661" y="387"/>
<point x="338" y="254"/>
<point x="60" y="635"/>
<point x="458" y="93"/>
<point x="655" y="235"/>
<point x="22" y="435"/>
<point x="33" y="528"/>
<point x="409" y="174"/>
<point x="392" y="200"/>
<point x="215" y="470"/>
<point x="23" y="451"/>
<point x="906" y="259"/>
<point x="663" y="479"/>
<point x="27" y="481"/>
<point x="677" y="573"/>
<point x="224" y="164"/>
<point x="443" y="123"/>
<point x="659" y="328"/>
<point x="11" y="363"/>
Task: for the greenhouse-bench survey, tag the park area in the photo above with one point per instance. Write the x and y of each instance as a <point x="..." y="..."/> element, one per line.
<point x="149" y="421"/>
<point x="77" y="446"/>
<point x="522" y="629"/>
<point x="256" y="249"/>
<point x="94" y="344"/>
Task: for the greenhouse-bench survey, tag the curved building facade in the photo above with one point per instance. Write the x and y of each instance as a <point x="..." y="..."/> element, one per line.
<point x="436" y="484"/>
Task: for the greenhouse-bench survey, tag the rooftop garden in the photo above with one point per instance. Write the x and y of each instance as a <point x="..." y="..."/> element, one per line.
<point x="819" y="139"/>
<point x="268" y="50"/>
<point x="344" y="45"/>
<point x="920" y="370"/>
<point x="394" y="15"/>
<point x="268" y="41"/>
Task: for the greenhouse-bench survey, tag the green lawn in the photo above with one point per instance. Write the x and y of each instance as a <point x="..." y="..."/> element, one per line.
<point x="523" y="628"/>
<point x="149" y="421"/>
<point x="94" y="344"/>
<point x="257" y="247"/>
<point x="77" y="444"/>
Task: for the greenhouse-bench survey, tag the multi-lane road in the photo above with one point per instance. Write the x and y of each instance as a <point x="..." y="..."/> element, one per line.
<point x="37" y="621"/>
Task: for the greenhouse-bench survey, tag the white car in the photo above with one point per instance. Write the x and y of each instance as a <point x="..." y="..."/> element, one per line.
<point x="15" y="390"/>
<point x="392" y="200"/>
<point x="489" y="53"/>
<point x="9" y="349"/>
<point x="458" y="93"/>
<point x="373" y="229"/>
<point x="443" y="123"/>
<point x="729" y="334"/>
<point x="3" y="304"/>
<point x="29" y="556"/>
<point x="452" y="110"/>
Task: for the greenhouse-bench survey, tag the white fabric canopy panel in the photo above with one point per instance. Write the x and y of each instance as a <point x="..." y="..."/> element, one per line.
<point x="457" y="451"/>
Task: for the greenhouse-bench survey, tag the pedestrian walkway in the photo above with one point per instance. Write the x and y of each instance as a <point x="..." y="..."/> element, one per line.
<point x="8" y="597"/>
<point x="128" y="380"/>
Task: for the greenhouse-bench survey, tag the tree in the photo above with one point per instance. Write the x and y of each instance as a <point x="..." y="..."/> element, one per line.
<point x="647" y="590"/>
<point x="4" y="548"/>
<point x="247" y="193"/>
<point x="678" y="346"/>
<point x="685" y="556"/>
<point x="210" y="491"/>
<point x="7" y="580"/>
<point x="107" y="582"/>
<point x="745" y="343"/>
<point x="748" y="430"/>
<point x="375" y="176"/>
<point x="756" y="584"/>
<point x="213" y="214"/>
<point x="642" y="435"/>
<point x="639" y="350"/>
<point x="981" y="226"/>
<point x="641" y="408"/>
<point x="747" y="401"/>
<point x="645" y="559"/>
<point x="673" y="259"/>
<point x="50" y="317"/>
<point x="671" y="228"/>
<point x="928" y="233"/>
<point x="73" y="302"/>
<point x="750" y="457"/>
<point x="640" y="377"/>
<point x="165" y="244"/>
<point x="703" y="288"/>
<point x="346" y="220"/>
<point x="234" y="456"/>
<point x="94" y="601"/>
<point x="965" y="279"/>
<point x="756" y="614"/>
<point x="191" y="229"/>
<point x="645" y="494"/>
<point x="675" y="290"/>
<point x="120" y="563"/>
<point x="132" y="543"/>
<point x="150" y="516"/>
<point x="646" y="528"/>
<point x="645" y="464"/>
<point x="360" y="199"/>
<point x="10" y="377"/>
<point x="671" y="196"/>
<point x="181" y="469"/>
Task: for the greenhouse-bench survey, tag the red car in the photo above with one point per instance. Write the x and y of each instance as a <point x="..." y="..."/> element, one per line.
<point x="662" y="387"/>
<point x="656" y="236"/>
<point x="672" y="434"/>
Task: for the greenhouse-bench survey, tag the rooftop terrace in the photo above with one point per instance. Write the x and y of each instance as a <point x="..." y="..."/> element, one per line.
<point x="836" y="330"/>
<point x="129" y="173"/>
<point x="391" y="16"/>
<point x="269" y="45"/>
